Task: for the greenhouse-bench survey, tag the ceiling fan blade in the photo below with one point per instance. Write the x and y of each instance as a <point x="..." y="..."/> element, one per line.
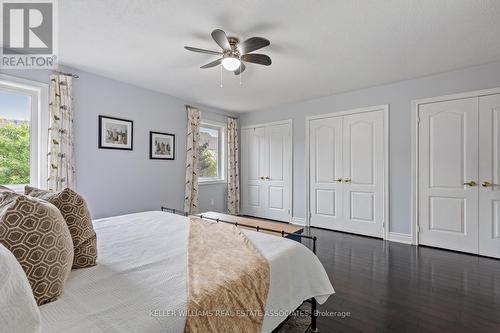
<point x="213" y="63"/>
<point x="256" y="58"/>
<point x="195" y="49"/>
<point x="252" y="44"/>
<point x="221" y="39"/>
<point x="240" y="69"/>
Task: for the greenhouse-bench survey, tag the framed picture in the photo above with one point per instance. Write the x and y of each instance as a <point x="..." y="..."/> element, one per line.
<point x="161" y="146"/>
<point x="115" y="133"/>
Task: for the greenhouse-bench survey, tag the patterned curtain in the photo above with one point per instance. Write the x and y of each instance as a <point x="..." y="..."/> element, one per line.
<point x="233" y="176"/>
<point x="193" y="137"/>
<point x="61" y="166"/>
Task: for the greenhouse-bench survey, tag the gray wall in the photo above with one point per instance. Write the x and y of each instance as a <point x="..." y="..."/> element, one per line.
<point x="118" y="182"/>
<point x="399" y="96"/>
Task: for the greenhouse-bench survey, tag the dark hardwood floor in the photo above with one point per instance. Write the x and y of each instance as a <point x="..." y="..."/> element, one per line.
<point x="392" y="287"/>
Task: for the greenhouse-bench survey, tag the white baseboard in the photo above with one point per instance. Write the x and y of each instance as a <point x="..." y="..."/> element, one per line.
<point x="400" y="238"/>
<point x="299" y="221"/>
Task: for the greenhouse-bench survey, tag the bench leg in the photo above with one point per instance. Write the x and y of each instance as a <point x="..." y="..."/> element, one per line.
<point x="314" y="317"/>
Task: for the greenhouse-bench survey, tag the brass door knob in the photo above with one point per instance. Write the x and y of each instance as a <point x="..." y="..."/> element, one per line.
<point x="347" y="180"/>
<point x="487" y="184"/>
<point x="471" y="183"/>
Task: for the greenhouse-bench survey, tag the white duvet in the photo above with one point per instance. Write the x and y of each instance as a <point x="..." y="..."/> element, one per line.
<point x="139" y="284"/>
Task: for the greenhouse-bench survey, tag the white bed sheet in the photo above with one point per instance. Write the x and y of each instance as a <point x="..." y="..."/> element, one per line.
<point x="139" y="284"/>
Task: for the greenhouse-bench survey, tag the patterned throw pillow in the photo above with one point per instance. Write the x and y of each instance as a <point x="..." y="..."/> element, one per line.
<point x="35" y="232"/>
<point x="74" y="210"/>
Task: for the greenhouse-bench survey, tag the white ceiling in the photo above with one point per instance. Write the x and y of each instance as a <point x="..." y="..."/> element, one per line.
<point x="318" y="47"/>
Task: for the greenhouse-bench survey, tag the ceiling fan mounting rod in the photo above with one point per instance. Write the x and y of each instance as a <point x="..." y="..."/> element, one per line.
<point x="233" y="41"/>
<point x="233" y="52"/>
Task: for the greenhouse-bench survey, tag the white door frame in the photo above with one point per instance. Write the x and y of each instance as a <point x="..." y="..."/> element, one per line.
<point x="414" y="147"/>
<point x="288" y="122"/>
<point x="385" y="109"/>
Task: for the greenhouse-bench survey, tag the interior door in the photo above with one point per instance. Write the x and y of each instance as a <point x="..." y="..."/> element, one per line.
<point x="266" y="172"/>
<point x="277" y="173"/>
<point x="363" y="165"/>
<point x="325" y="172"/>
<point x="253" y="168"/>
<point x="448" y="174"/>
<point x="489" y="176"/>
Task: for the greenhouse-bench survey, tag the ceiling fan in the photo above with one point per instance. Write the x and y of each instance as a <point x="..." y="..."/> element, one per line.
<point x="235" y="54"/>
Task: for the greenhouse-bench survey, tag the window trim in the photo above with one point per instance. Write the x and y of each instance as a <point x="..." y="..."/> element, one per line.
<point x="222" y="127"/>
<point x="39" y="125"/>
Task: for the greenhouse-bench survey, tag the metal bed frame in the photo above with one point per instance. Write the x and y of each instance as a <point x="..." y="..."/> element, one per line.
<point x="313" y="313"/>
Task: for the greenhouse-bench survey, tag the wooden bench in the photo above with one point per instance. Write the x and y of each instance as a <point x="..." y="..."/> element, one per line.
<point x="275" y="227"/>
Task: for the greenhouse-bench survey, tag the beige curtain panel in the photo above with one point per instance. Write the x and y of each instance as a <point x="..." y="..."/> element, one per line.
<point x="233" y="176"/>
<point x="193" y="137"/>
<point x="61" y="166"/>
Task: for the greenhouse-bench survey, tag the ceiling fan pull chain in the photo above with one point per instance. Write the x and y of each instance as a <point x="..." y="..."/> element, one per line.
<point x="241" y="73"/>
<point x="221" y="76"/>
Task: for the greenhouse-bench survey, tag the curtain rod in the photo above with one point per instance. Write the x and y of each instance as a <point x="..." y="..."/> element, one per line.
<point x="221" y="113"/>
<point x="75" y="76"/>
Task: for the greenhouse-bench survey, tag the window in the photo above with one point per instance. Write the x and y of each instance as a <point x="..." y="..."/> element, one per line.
<point x="211" y="156"/>
<point x="23" y="132"/>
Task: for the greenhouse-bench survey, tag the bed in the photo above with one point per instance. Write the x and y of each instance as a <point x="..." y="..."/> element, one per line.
<point x="139" y="284"/>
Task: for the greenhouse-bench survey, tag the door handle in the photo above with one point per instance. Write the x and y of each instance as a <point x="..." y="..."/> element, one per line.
<point x="486" y="184"/>
<point x="338" y="180"/>
<point x="267" y="178"/>
<point x="347" y="180"/>
<point x="471" y="183"/>
<point x="262" y="178"/>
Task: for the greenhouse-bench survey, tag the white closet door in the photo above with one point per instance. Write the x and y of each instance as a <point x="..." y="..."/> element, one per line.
<point x="448" y="159"/>
<point x="266" y="172"/>
<point x="489" y="176"/>
<point x="363" y="159"/>
<point x="326" y="187"/>
<point x="253" y="168"/>
<point x="277" y="173"/>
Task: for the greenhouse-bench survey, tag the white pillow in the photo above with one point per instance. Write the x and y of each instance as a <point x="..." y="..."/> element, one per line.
<point x="18" y="309"/>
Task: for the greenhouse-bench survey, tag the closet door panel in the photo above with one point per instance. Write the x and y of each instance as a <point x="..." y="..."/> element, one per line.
<point x="276" y="153"/>
<point x="276" y="184"/>
<point x="253" y="168"/>
<point x="363" y="160"/>
<point x="489" y="176"/>
<point x="360" y="145"/>
<point x="448" y="163"/>
<point x="325" y="171"/>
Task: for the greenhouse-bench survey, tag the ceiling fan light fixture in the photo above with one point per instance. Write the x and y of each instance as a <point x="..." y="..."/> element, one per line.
<point x="231" y="63"/>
